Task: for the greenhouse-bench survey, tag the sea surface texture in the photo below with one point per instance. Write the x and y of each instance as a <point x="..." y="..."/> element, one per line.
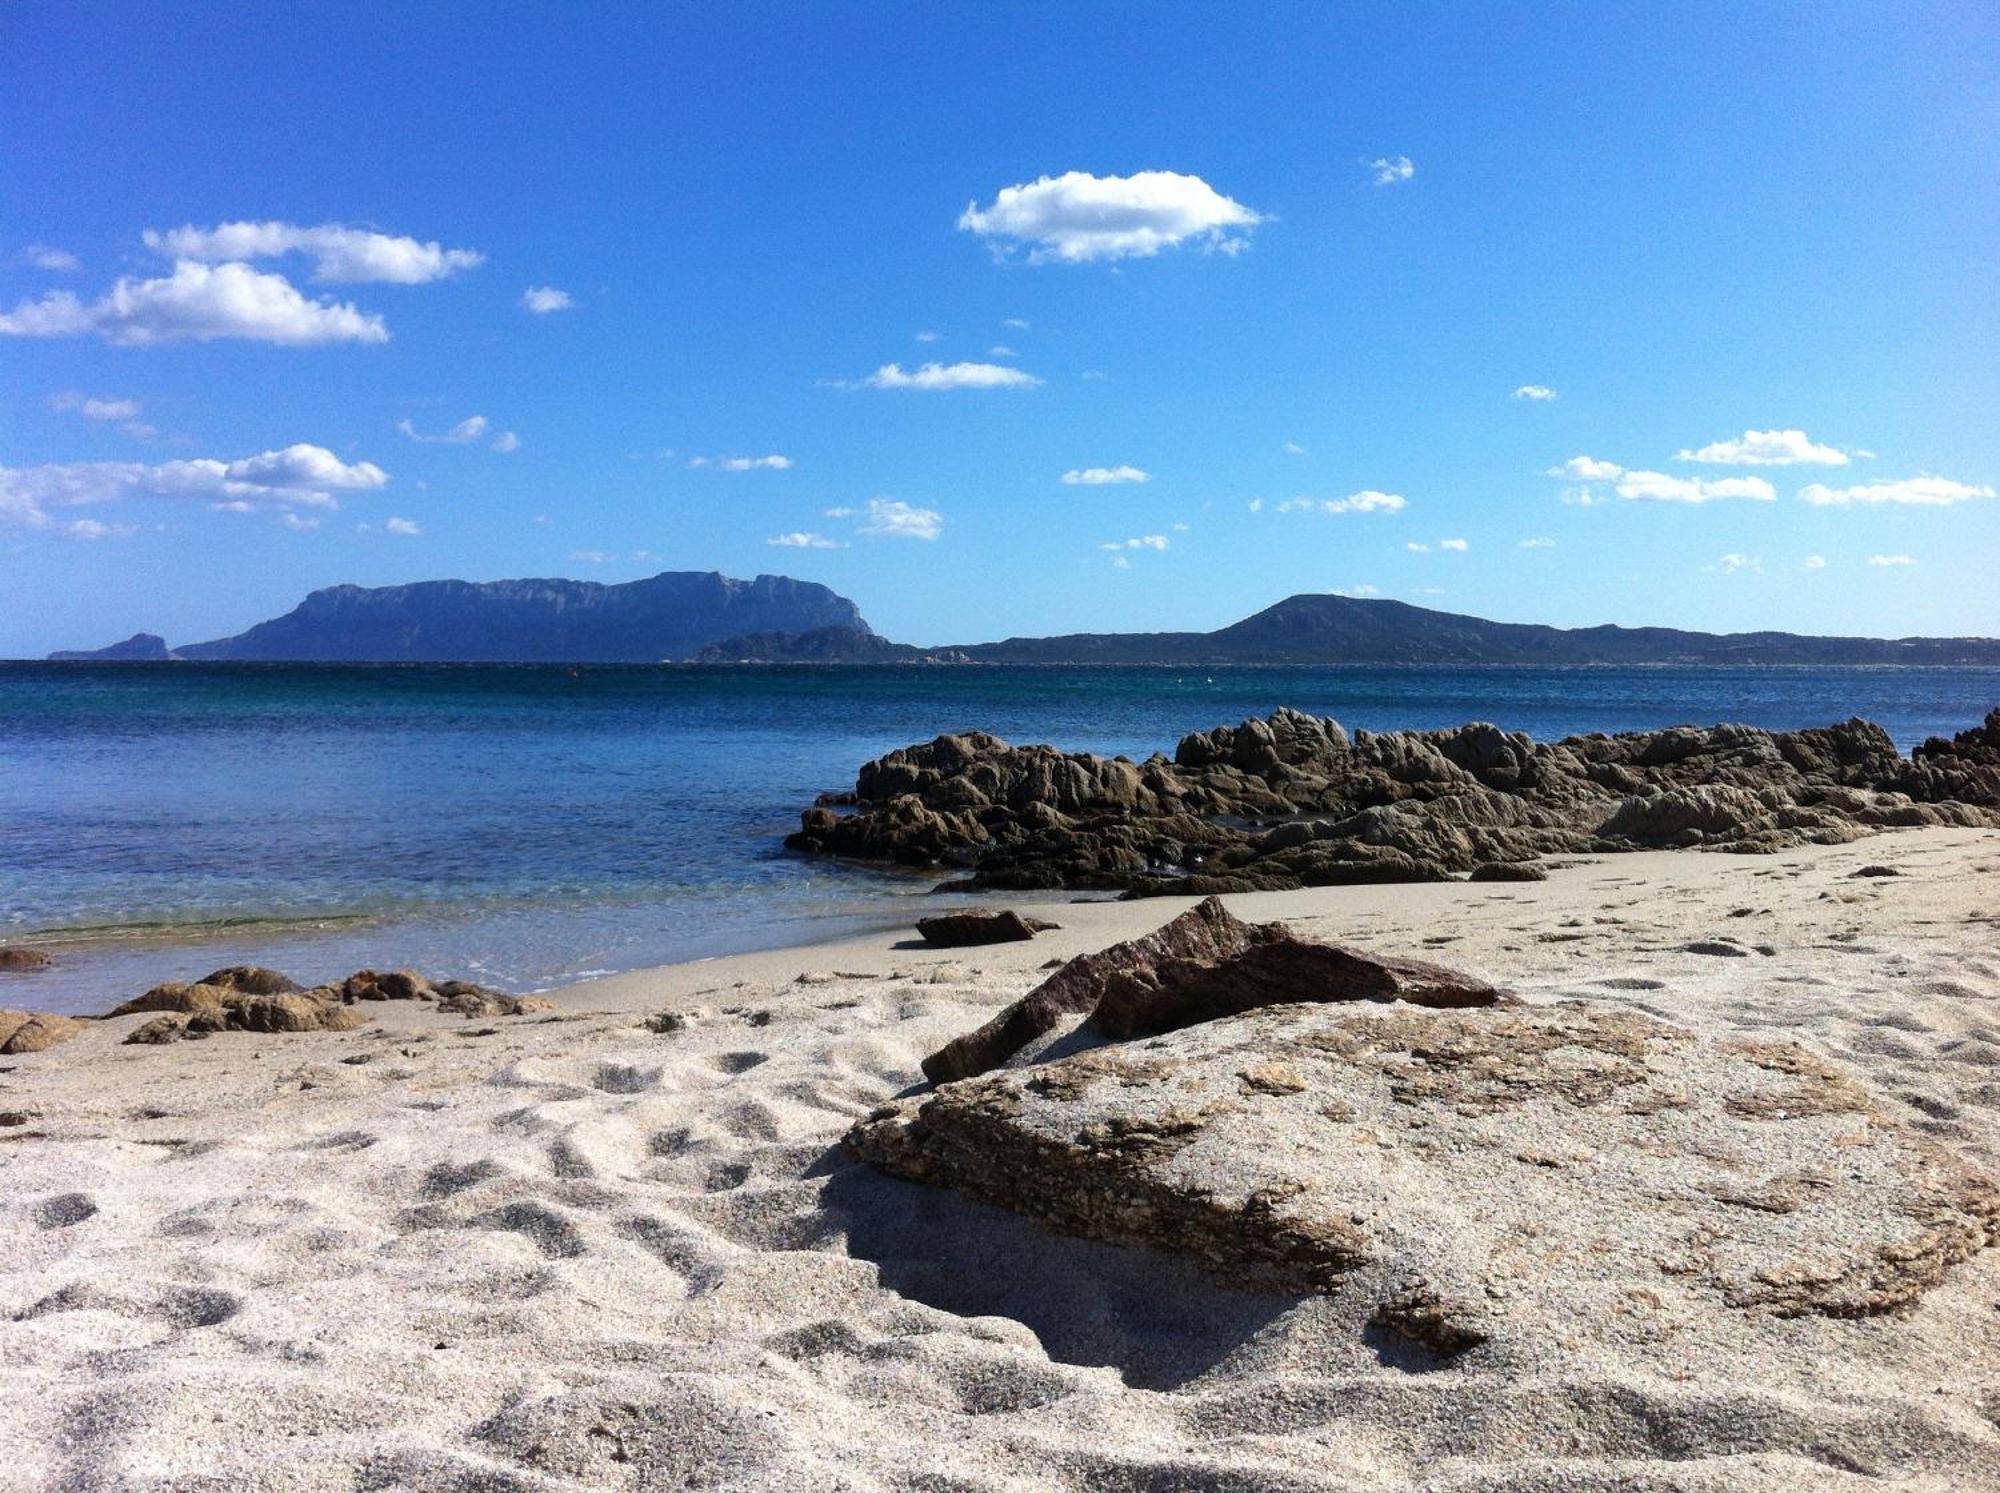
<point x="530" y="826"/>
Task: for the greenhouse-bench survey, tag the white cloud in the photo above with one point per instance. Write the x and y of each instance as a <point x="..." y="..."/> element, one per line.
<point x="401" y="526"/>
<point x="837" y="513"/>
<point x="1293" y="448"/>
<point x="1119" y="562"/>
<point x="300" y="522"/>
<point x="950" y="376"/>
<point x="1731" y="563"/>
<point x="339" y="254"/>
<point x="589" y="557"/>
<point x="804" y="541"/>
<point x="1922" y="492"/>
<point x="1767" y="448"/>
<point x="97" y="409"/>
<point x="1104" y="476"/>
<point x="1180" y="528"/>
<point x="928" y="336"/>
<point x="1537" y="543"/>
<point x="1540" y="393"/>
<point x="1587" y="469"/>
<point x="1015" y="324"/>
<point x="196" y="303"/>
<point x="542" y="299"/>
<point x="1001" y="350"/>
<point x="468" y="430"/>
<point x="1077" y="217"/>
<point x="297" y="476"/>
<point x="1388" y="170"/>
<point x="1891" y="560"/>
<point x="891" y="518"/>
<point x="506" y="442"/>
<point x="744" y="463"/>
<point x="1658" y="487"/>
<point x="1417" y="547"/>
<point x="90" y="528"/>
<point x="1256" y="505"/>
<point x="1367" y="501"/>
<point x="1454" y="544"/>
<point x="1814" y="562"/>
<point x="1143" y="542"/>
<point x="1363" y="590"/>
<point x="48" y="257"/>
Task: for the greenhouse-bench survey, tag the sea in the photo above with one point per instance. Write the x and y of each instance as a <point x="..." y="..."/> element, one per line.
<point x="534" y="826"/>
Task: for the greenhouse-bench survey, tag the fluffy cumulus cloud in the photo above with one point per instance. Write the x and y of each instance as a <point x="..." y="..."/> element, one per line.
<point x="1656" y="487"/>
<point x="1920" y="492"/>
<point x="1104" y="476"/>
<point x="543" y="299"/>
<point x="1767" y="448"/>
<point x="1387" y="171"/>
<point x="1366" y="501"/>
<point x="196" y="303"/>
<point x="1077" y="217"/>
<point x="801" y="540"/>
<point x="890" y="518"/>
<point x="298" y="476"/>
<point x="1536" y="393"/>
<point x="934" y="376"/>
<point x="340" y="254"/>
<point x="468" y="430"/>
<point x="1889" y="562"/>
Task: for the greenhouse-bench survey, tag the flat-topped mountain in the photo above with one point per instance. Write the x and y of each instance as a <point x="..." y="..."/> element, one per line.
<point x="667" y="616"/>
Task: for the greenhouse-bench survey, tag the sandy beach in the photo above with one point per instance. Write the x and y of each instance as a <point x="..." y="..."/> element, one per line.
<point x="597" y="1249"/>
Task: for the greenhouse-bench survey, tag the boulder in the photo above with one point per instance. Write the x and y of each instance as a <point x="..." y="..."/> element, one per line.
<point x="34" y="1031"/>
<point x="959" y="930"/>
<point x="396" y="985"/>
<point x="1507" y="871"/>
<point x="19" y="959"/>
<point x="168" y="1026"/>
<point x="176" y="995"/>
<point x="1460" y="1179"/>
<point x="252" y="979"/>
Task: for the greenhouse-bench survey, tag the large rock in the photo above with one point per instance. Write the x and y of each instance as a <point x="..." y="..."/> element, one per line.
<point x="252" y="979"/>
<point x="961" y="930"/>
<point x="34" y="1031"/>
<point x="206" y="1008"/>
<point x="1460" y="1178"/>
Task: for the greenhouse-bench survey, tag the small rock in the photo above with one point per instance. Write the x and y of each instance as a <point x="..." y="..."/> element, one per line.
<point x="18" y="959"/>
<point x="1508" y="871"/>
<point x="1876" y="871"/>
<point x="168" y="1026"/>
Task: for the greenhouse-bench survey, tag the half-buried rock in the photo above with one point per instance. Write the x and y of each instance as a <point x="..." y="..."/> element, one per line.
<point x="34" y="1031"/>
<point x="964" y="930"/>
<point x="1459" y="1178"/>
<point x="1205" y="963"/>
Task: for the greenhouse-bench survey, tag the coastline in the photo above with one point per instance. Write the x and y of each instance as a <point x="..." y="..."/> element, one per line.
<point x="596" y="1249"/>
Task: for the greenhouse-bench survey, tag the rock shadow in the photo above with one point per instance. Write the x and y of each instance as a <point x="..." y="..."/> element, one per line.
<point x="1158" y="1320"/>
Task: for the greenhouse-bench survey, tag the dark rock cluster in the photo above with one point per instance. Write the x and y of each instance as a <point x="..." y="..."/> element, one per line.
<point x="1292" y="800"/>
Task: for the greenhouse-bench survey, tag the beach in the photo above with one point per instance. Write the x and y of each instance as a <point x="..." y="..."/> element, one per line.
<point x="618" y="1244"/>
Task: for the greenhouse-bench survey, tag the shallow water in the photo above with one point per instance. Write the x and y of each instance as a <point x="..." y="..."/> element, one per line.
<point x="529" y="826"/>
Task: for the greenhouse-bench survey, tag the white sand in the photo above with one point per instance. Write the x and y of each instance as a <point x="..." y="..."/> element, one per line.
<point x="576" y="1253"/>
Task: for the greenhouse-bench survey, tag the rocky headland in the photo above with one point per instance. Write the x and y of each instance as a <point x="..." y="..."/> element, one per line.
<point x="1292" y="800"/>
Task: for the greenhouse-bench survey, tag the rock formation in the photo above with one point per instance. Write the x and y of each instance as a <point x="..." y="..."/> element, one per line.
<point x="246" y="998"/>
<point x="19" y="959"/>
<point x="964" y="930"/>
<point x="34" y="1031"/>
<point x="1291" y="800"/>
<point x="1461" y="1178"/>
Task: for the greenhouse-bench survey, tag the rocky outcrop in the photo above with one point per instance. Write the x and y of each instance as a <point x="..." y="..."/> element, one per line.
<point x="964" y="930"/>
<point x="144" y="647"/>
<point x="19" y="959"/>
<point x="246" y="998"/>
<point x="1292" y="800"/>
<point x="1459" y="1179"/>
<point x="34" y="1031"/>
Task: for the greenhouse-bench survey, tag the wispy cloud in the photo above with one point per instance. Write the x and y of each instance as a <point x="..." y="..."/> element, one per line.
<point x="837" y="513"/>
<point x="1730" y="564"/>
<point x="890" y="518"/>
<point x="405" y="527"/>
<point x="196" y="303"/>
<point x="935" y="376"/>
<point x="1293" y="448"/>
<point x="590" y="557"/>
<point x="1458" y="545"/>
<point x="468" y="430"/>
<point x="340" y="254"/>
<point x="1539" y="542"/>
<point x="1767" y="448"/>
<point x="1813" y="562"/>
<point x="1387" y="171"/>
<point x="1077" y="217"/>
<point x="1363" y="591"/>
<point x="97" y="409"/>
<point x="743" y="463"/>
<point x="1538" y="393"/>
<point x="506" y="443"/>
<point x="1103" y="476"/>
<point x="1890" y="561"/>
<point x="48" y="257"/>
<point x="543" y="299"/>
<point x="1919" y="492"/>
<point x="1366" y="501"/>
<point x="800" y="540"/>
<point x="1143" y="542"/>
<point x="927" y="335"/>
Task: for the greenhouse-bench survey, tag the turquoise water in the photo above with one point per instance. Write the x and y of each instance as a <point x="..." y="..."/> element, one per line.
<point x="528" y="826"/>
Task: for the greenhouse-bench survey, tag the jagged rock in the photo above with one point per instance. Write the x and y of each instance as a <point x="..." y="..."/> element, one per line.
<point x="396" y="985"/>
<point x="169" y="1026"/>
<point x="206" y="1008"/>
<point x="959" y="930"/>
<point x="35" y="1031"/>
<point x="1292" y="801"/>
<point x="1507" y="871"/>
<point x="252" y="979"/>
<point x="19" y="959"/>
<point x="1464" y="1177"/>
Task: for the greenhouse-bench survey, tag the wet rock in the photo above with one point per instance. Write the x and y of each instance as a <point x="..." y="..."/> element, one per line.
<point x="396" y="985"/>
<point x="19" y="959"/>
<point x="252" y="979"/>
<point x="1507" y="871"/>
<point x="35" y="1031"/>
<point x="1464" y="1177"/>
<point x="959" y="930"/>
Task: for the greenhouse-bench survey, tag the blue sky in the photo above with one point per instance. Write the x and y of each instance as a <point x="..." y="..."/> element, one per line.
<point x="1290" y="263"/>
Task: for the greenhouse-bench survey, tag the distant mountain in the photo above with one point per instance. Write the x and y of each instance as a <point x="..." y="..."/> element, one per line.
<point x="1349" y="630"/>
<point x="668" y="616"/>
<point x="141" y="645"/>
<point x="823" y="645"/>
